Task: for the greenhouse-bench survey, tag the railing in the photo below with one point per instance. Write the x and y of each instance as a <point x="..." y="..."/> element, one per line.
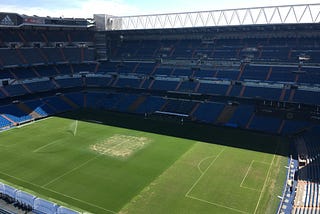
<point x="38" y="205"/>
<point x="285" y="187"/>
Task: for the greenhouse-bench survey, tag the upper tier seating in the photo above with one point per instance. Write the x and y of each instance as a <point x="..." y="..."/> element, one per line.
<point x="10" y="57"/>
<point x="15" y="90"/>
<point x="41" y="86"/>
<point x="70" y="82"/>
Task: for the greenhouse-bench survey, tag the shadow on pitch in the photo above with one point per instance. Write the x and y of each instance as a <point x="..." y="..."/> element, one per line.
<point x="232" y="137"/>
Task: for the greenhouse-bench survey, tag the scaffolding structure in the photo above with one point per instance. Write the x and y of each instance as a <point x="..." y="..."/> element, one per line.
<point x="302" y="13"/>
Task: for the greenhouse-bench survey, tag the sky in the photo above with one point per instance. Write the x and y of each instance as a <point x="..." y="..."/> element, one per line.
<point x="86" y="8"/>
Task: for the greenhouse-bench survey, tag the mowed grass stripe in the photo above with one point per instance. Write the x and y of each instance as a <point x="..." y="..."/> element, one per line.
<point x="46" y="145"/>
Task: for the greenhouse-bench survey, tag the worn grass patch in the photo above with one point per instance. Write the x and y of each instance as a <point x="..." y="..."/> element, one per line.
<point x="120" y="146"/>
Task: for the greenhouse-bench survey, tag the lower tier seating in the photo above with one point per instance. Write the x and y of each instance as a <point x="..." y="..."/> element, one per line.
<point x="212" y="112"/>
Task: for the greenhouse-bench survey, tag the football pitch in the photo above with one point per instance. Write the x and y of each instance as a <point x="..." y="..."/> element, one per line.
<point x="90" y="165"/>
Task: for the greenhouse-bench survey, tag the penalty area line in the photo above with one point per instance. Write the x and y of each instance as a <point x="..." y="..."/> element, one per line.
<point x="246" y="173"/>
<point x="249" y="168"/>
<point x="215" y="204"/>
<point x="265" y="181"/>
<point x="204" y="172"/>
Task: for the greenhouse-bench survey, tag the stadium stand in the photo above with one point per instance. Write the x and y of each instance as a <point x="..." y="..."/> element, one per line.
<point x="15" y="90"/>
<point x="151" y="104"/>
<point x="4" y="123"/>
<point x="37" y="106"/>
<point x="43" y="206"/>
<point x="307" y="189"/>
<point x="178" y="106"/>
<point x="12" y="113"/>
<point x="262" y="78"/>
<point x="208" y="112"/>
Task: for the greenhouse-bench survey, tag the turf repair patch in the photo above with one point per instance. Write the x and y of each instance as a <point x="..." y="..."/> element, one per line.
<point x="120" y="146"/>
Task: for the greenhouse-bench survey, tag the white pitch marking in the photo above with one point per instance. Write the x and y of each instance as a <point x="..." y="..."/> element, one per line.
<point x="75" y="129"/>
<point x="265" y="181"/>
<point x="241" y="185"/>
<point x="75" y="168"/>
<point x="246" y="173"/>
<point x="199" y="164"/>
<point x="219" y="205"/>
<point x="158" y="177"/>
<point x="44" y="146"/>
<point x="204" y="172"/>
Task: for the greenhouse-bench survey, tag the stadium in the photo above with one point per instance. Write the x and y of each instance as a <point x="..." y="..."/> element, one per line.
<point x="197" y="112"/>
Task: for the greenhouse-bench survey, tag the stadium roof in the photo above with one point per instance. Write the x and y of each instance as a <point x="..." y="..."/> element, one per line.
<point x="287" y="14"/>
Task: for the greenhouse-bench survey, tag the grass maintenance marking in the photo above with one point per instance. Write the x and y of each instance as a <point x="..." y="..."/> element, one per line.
<point x="46" y="145"/>
<point x="265" y="181"/>
<point x="59" y="193"/>
<point x="8" y="145"/>
<point x="70" y="171"/>
<point x="120" y="146"/>
<point x="251" y="188"/>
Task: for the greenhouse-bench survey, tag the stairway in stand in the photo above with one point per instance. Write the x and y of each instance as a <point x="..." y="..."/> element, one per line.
<point x="135" y="105"/>
<point x="69" y="102"/>
<point x="28" y="110"/>
<point x="226" y="114"/>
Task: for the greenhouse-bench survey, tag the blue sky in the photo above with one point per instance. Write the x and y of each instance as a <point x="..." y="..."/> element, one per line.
<point x="86" y="8"/>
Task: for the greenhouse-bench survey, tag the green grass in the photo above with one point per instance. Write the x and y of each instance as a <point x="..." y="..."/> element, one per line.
<point x="169" y="175"/>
